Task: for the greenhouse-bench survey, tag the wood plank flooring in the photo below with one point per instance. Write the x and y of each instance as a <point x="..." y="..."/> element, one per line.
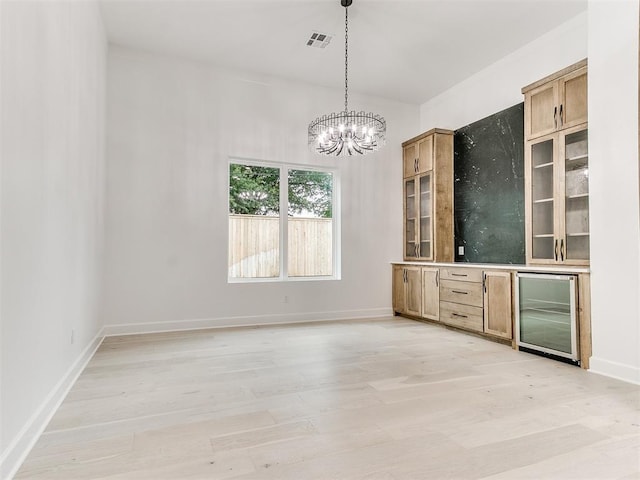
<point x="379" y="399"/>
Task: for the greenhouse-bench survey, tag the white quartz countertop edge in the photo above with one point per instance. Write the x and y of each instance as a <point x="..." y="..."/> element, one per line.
<point x="497" y="266"/>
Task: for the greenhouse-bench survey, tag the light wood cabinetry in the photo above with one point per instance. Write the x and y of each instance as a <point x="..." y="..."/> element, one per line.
<point x="431" y="293"/>
<point x="417" y="156"/>
<point x="557" y="170"/>
<point x="461" y="299"/>
<point x="397" y="287"/>
<point x="461" y="292"/>
<point x="478" y="299"/>
<point x="428" y="196"/>
<point x="556" y="102"/>
<point x="584" y="319"/>
<point x="407" y="290"/>
<point x="497" y="300"/>
<point x="464" y="274"/>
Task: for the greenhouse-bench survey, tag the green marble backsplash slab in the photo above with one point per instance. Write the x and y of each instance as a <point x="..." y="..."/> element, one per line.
<point x="488" y="189"/>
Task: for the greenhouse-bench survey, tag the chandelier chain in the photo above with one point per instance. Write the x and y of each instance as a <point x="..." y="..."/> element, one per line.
<point x="346" y="57"/>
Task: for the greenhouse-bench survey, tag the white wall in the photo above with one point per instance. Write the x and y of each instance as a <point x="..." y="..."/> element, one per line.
<point x="613" y="170"/>
<point x="172" y="126"/>
<point x="499" y="85"/>
<point x="612" y="49"/>
<point x="53" y="59"/>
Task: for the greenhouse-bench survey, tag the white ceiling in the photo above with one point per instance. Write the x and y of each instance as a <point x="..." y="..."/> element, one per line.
<point x="407" y="50"/>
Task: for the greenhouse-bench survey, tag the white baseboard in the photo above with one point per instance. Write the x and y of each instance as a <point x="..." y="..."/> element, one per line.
<point x="18" y="449"/>
<point x="246" y="321"/>
<point x="620" y="371"/>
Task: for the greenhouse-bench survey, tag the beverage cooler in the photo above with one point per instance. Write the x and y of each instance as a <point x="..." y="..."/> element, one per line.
<point x="546" y="314"/>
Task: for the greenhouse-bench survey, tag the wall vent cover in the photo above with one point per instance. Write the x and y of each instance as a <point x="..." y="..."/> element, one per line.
<point x="318" y="40"/>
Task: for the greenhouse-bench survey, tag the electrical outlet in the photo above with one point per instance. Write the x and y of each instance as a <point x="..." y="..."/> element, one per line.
<point x="461" y="250"/>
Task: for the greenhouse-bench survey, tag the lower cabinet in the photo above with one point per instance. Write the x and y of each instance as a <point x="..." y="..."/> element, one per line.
<point x="475" y="299"/>
<point x="407" y="289"/>
<point x="463" y="297"/>
<point x="497" y="304"/>
<point x="431" y="293"/>
<point x="462" y="316"/>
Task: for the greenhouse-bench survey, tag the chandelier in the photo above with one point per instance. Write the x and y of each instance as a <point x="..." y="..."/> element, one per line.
<point x="347" y="132"/>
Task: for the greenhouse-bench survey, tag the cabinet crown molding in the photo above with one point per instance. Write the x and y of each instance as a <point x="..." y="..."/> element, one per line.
<point x="426" y="134"/>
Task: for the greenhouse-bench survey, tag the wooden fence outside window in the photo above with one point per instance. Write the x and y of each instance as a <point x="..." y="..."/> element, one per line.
<point x="254" y="246"/>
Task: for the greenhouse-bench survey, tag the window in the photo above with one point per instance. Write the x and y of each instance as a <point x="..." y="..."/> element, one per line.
<point x="281" y="222"/>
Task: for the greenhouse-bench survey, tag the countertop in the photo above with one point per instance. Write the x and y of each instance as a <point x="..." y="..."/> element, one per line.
<point x="498" y="266"/>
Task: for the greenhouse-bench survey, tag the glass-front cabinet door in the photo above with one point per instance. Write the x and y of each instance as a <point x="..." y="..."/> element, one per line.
<point x="542" y="229"/>
<point x="574" y="248"/>
<point x="426" y="220"/>
<point x="410" y="219"/>
<point x="418" y="208"/>
<point x="558" y="198"/>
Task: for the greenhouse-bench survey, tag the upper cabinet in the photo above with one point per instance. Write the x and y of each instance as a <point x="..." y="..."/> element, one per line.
<point x="557" y="169"/>
<point x="417" y="156"/>
<point x="428" y="196"/>
<point x="556" y="102"/>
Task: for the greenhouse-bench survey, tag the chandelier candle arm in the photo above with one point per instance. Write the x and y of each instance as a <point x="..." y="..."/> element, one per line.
<point x="347" y="132"/>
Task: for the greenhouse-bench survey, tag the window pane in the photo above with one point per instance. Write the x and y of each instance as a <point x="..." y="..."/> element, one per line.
<point x="254" y="209"/>
<point x="310" y="223"/>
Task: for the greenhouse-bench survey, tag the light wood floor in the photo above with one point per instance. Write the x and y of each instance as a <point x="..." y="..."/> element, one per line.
<point x="379" y="399"/>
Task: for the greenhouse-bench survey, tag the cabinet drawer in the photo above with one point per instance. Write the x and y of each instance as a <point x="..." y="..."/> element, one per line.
<point x="466" y="293"/>
<point x="461" y="274"/>
<point x="463" y="316"/>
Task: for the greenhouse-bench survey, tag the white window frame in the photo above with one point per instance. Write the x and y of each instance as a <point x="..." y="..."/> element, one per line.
<point x="283" y="223"/>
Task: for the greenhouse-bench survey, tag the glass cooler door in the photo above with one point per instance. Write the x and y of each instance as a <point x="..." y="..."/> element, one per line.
<point x="546" y="314"/>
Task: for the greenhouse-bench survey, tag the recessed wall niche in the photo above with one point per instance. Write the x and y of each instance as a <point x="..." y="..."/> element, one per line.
<point x="489" y="189"/>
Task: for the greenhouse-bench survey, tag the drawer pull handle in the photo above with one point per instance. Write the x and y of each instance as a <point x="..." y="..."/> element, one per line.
<point x="460" y="292"/>
<point x="459" y="275"/>
<point x="459" y="315"/>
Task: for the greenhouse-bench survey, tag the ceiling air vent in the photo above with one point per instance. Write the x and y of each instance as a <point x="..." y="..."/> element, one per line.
<point x="318" y="40"/>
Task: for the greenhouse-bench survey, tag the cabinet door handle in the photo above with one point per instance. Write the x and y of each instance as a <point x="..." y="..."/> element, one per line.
<point x="415" y="165"/>
<point x="562" y="249"/>
<point x="555" y="249"/>
<point x="459" y="315"/>
<point x="484" y="282"/>
<point x="561" y="119"/>
<point x="404" y="275"/>
<point x="555" y="117"/>
<point x="437" y="275"/>
<point x="460" y="292"/>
